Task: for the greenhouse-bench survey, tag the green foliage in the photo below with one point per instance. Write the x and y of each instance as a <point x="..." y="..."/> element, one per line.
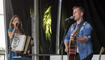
<point x="47" y="23"/>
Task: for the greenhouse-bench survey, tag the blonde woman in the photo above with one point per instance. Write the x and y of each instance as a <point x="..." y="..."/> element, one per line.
<point x="15" y="26"/>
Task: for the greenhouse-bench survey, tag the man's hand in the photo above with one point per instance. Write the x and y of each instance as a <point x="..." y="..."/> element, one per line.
<point x="66" y="50"/>
<point x="71" y="37"/>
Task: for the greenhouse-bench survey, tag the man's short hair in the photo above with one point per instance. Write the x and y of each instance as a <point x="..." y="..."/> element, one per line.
<point x="81" y="8"/>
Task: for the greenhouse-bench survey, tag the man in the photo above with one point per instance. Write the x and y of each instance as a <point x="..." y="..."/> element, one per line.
<point x="83" y="40"/>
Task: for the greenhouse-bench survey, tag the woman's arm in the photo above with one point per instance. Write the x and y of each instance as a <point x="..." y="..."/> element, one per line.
<point x="11" y="33"/>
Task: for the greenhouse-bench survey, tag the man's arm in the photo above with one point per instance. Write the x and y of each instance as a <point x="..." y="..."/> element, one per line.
<point x="66" y="46"/>
<point x="81" y="39"/>
<point x="86" y="34"/>
<point x="67" y="38"/>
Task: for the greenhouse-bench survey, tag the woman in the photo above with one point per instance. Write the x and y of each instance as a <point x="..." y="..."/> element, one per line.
<point x="15" y="26"/>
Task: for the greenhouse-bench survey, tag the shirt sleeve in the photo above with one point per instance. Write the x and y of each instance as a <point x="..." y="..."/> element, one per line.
<point x="87" y="32"/>
<point x="67" y="37"/>
<point x="10" y="30"/>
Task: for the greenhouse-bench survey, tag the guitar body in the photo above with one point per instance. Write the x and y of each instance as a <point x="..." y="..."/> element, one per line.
<point x="72" y="51"/>
<point x="71" y="57"/>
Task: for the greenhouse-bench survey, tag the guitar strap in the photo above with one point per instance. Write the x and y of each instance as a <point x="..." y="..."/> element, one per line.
<point x="77" y="31"/>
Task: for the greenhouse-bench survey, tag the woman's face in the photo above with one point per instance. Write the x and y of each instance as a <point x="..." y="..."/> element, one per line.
<point x="16" y="21"/>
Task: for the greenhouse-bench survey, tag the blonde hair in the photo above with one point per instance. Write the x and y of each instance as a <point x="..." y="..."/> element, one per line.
<point x="11" y="26"/>
<point x="81" y="8"/>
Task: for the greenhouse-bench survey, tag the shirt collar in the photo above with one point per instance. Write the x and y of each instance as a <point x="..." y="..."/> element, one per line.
<point x="80" y="22"/>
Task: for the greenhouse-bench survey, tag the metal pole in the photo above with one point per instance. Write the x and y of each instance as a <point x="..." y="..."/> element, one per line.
<point x="35" y="31"/>
<point x="8" y="12"/>
<point x="5" y="24"/>
<point x="58" y="27"/>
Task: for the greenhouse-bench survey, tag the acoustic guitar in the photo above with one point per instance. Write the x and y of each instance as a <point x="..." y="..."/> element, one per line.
<point x="101" y="51"/>
<point x="72" y="49"/>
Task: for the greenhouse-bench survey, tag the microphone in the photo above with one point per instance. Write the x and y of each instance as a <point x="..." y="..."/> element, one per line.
<point x="17" y="24"/>
<point x="71" y="17"/>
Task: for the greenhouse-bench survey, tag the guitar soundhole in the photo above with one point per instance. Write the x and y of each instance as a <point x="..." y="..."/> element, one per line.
<point x="72" y="57"/>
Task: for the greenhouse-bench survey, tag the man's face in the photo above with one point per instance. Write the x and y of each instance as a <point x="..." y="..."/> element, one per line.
<point x="77" y="14"/>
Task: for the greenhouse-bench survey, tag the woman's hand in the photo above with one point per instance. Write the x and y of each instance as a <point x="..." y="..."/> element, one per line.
<point x="15" y="23"/>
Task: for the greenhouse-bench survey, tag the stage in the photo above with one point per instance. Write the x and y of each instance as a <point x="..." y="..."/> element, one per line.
<point x="59" y="57"/>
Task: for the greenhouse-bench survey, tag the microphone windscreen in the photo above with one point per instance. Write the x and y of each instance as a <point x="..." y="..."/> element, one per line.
<point x="71" y="17"/>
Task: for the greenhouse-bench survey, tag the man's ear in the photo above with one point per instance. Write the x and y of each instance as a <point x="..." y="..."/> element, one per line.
<point x="82" y="13"/>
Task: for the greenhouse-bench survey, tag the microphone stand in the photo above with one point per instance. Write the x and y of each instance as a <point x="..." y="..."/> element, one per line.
<point x="10" y="49"/>
<point x="10" y="54"/>
<point x="61" y="46"/>
<point x="61" y="49"/>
